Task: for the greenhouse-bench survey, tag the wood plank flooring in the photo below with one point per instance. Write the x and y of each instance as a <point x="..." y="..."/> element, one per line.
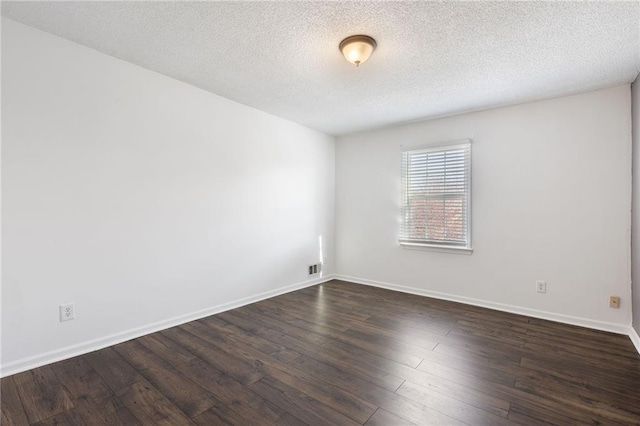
<point x="342" y="354"/>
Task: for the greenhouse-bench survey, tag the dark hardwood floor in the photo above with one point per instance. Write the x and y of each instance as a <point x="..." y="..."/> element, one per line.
<point x="342" y="354"/>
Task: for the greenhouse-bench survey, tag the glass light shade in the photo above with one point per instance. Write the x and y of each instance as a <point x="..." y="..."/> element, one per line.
<point x="357" y="49"/>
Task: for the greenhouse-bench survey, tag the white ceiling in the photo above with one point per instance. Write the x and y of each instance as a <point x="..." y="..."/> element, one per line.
<point x="433" y="58"/>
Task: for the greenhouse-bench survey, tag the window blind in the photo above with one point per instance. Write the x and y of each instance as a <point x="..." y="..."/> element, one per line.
<point x="436" y="196"/>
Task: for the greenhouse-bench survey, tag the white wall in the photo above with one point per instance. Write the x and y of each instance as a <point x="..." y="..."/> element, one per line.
<point x="142" y="199"/>
<point x="635" y="226"/>
<point x="551" y="186"/>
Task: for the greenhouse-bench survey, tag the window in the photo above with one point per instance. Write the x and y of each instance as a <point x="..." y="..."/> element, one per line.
<point x="436" y="196"/>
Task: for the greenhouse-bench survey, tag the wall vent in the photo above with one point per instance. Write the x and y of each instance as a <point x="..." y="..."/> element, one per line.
<point x="314" y="269"/>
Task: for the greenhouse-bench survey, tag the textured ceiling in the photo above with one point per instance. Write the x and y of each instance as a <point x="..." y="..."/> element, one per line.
<point x="433" y="58"/>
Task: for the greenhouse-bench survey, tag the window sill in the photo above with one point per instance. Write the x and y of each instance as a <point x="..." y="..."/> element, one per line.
<point x="437" y="248"/>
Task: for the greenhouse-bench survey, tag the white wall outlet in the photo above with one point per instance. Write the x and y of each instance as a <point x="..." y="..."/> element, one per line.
<point x="541" y="286"/>
<point x="67" y="312"/>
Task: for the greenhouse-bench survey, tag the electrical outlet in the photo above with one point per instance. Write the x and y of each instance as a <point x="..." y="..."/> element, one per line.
<point x="541" y="286"/>
<point x="614" y="302"/>
<point x="67" y="312"/>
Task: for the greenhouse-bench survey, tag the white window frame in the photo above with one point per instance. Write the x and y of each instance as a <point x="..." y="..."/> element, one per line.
<point x="434" y="244"/>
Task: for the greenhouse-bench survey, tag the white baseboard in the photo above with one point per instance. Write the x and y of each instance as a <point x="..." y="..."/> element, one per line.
<point x="7" y="369"/>
<point x="567" y="319"/>
<point x="635" y="339"/>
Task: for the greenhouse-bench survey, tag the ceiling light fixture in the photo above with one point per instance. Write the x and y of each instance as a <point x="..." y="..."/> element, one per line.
<point x="357" y="48"/>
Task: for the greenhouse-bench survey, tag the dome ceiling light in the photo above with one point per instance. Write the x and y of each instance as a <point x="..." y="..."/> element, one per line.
<point x="357" y="48"/>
